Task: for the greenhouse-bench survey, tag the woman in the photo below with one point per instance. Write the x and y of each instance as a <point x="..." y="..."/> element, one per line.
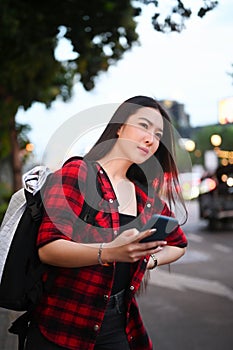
<point x="99" y="267"/>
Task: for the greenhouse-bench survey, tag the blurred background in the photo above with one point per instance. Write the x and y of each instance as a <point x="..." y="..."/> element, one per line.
<point x="59" y="59"/>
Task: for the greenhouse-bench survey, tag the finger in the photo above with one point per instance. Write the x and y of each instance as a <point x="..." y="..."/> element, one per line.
<point x="149" y="246"/>
<point x="131" y="233"/>
<point x="126" y="237"/>
<point x="145" y="234"/>
<point x="140" y="252"/>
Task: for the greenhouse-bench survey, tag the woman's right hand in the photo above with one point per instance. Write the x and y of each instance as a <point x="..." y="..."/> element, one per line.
<point x="127" y="247"/>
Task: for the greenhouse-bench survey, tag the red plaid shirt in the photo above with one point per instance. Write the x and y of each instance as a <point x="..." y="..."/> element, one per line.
<point x="71" y="312"/>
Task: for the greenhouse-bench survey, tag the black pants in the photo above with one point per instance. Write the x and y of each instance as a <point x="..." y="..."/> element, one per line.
<point x="112" y="334"/>
<point x="111" y="337"/>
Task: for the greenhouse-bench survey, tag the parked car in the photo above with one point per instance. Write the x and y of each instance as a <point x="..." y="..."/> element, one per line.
<point x="216" y="197"/>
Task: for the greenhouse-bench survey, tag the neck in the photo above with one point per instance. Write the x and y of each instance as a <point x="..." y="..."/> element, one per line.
<point x="116" y="168"/>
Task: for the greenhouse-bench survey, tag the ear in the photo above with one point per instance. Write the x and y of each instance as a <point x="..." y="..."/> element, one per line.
<point x="119" y="130"/>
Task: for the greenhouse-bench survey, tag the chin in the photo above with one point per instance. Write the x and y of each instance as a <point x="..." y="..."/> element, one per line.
<point x="140" y="161"/>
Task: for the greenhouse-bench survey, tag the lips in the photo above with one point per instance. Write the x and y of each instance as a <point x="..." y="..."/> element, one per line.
<point x="145" y="150"/>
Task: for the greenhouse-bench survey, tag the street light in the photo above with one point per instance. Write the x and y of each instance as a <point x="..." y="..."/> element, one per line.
<point x="187" y="144"/>
<point x="222" y="155"/>
<point x="29" y="147"/>
<point x="190" y="145"/>
<point x="216" y="140"/>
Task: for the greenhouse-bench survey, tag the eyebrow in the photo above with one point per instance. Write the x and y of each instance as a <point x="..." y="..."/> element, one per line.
<point x="150" y="123"/>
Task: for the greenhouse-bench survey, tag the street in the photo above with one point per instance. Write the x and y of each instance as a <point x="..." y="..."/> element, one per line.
<point x="190" y="308"/>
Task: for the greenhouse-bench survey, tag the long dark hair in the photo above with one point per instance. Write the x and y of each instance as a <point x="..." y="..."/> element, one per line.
<point x="164" y="176"/>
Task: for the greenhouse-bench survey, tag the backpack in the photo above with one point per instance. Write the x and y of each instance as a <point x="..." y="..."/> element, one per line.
<point x="21" y="270"/>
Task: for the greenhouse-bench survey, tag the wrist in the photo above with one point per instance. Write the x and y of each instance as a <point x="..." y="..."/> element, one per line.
<point x="154" y="261"/>
<point x="103" y="255"/>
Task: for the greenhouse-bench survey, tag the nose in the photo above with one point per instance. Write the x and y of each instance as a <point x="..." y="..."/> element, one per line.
<point x="149" y="138"/>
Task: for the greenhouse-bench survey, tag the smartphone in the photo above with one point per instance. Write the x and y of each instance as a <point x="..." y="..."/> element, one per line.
<point x="164" y="225"/>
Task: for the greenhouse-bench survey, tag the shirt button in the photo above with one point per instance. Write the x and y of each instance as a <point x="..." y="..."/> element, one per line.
<point x="148" y="205"/>
<point x="101" y="172"/>
<point x="131" y="287"/>
<point x="115" y="232"/>
<point x="110" y="200"/>
<point x="145" y="260"/>
<point x="96" y="327"/>
<point x="106" y="297"/>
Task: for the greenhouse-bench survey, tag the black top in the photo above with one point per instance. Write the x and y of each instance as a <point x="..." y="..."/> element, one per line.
<point x="122" y="272"/>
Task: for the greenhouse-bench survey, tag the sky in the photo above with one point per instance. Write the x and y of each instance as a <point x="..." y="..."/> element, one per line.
<point x="190" y="67"/>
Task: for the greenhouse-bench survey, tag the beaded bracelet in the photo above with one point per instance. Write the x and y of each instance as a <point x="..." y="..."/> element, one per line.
<point x="100" y="261"/>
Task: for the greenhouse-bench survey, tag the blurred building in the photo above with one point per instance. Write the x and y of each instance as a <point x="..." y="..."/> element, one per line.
<point x="180" y="118"/>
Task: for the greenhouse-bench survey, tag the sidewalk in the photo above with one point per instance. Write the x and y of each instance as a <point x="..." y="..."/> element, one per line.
<point x="7" y="341"/>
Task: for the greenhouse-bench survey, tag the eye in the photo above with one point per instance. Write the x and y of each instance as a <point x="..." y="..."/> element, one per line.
<point x="158" y="135"/>
<point x="144" y="125"/>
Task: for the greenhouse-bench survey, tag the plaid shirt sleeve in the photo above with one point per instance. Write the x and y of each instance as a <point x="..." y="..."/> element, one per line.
<point x="63" y="199"/>
<point x="177" y="236"/>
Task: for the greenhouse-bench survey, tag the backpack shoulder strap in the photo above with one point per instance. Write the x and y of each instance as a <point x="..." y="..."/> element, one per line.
<point x="90" y="207"/>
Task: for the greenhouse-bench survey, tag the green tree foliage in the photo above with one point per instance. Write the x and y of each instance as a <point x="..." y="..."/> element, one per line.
<point x="202" y="139"/>
<point x="203" y="136"/>
<point x="100" y="31"/>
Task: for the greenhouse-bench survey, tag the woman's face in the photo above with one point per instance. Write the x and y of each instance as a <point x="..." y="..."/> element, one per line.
<point x="139" y="138"/>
